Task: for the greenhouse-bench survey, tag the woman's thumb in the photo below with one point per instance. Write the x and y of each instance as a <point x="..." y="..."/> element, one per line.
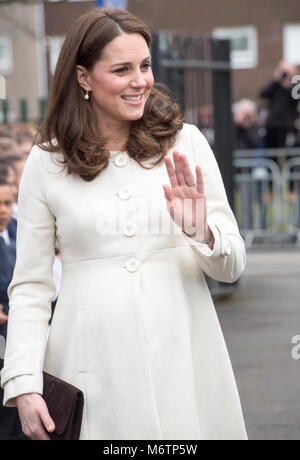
<point x="46" y="419"/>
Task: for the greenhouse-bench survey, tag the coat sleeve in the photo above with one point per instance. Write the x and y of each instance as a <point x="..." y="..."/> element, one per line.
<point x="32" y="287"/>
<point x="227" y="260"/>
<point x="268" y="91"/>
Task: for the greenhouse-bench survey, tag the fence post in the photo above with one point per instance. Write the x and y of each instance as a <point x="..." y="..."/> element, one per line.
<point x="23" y="109"/>
<point x="5" y="108"/>
<point x="155" y="55"/>
<point x="42" y="110"/>
<point x="161" y="48"/>
<point x="222" y="99"/>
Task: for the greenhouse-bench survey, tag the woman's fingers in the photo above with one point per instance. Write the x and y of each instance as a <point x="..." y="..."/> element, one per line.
<point x="200" y="181"/>
<point x="32" y="426"/>
<point x="171" y="172"/>
<point x="34" y="416"/>
<point x="46" y="419"/>
<point x="179" y="168"/>
<point x="188" y="175"/>
<point x="39" y="433"/>
<point x="168" y="192"/>
<point x="182" y="173"/>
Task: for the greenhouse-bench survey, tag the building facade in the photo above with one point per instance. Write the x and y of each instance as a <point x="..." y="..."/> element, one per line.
<point x="262" y="32"/>
<point x="22" y="57"/>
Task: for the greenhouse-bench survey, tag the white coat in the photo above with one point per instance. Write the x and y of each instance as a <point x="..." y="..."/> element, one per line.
<point x="134" y="326"/>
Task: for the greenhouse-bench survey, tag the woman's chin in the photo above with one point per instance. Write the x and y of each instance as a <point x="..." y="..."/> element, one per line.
<point x="135" y="117"/>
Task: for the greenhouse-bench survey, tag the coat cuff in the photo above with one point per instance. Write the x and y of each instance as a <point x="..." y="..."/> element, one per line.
<point x="22" y="384"/>
<point x="204" y="248"/>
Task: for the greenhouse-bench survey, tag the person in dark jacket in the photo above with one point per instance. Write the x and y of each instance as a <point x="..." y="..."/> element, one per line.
<point x="8" y="175"/>
<point x="280" y="124"/>
<point x="10" y="427"/>
<point x="3" y="290"/>
<point x="246" y="125"/>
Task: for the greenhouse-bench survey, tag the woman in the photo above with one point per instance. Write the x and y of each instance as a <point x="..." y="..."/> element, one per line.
<point x="134" y="325"/>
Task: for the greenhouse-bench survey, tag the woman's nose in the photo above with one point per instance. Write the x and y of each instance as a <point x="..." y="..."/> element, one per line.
<point x="138" y="80"/>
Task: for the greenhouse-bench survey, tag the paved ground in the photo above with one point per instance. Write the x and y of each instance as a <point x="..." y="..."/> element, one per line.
<point x="258" y="323"/>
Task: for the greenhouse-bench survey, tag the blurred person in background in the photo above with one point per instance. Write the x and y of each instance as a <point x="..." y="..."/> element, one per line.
<point x="280" y="123"/>
<point x="25" y="141"/>
<point x="10" y="427"/>
<point x="8" y="147"/>
<point x="15" y="162"/>
<point x="206" y="123"/>
<point x="9" y="173"/>
<point x="297" y="141"/>
<point x="5" y="132"/>
<point x="246" y="125"/>
<point x="7" y="240"/>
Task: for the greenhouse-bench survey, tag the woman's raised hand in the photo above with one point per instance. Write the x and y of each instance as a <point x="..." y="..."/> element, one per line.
<point x="186" y="198"/>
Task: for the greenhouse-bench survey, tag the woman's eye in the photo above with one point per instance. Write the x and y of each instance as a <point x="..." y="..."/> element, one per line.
<point x="125" y="69"/>
<point x="121" y="70"/>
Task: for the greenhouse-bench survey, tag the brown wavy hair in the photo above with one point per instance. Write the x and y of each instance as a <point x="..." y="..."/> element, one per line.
<point x="70" y="126"/>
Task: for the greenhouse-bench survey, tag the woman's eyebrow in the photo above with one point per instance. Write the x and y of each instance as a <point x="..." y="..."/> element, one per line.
<point x="128" y="63"/>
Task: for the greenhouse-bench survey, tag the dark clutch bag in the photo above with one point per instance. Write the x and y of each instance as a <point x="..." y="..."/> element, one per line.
<point x="65" y="406"/>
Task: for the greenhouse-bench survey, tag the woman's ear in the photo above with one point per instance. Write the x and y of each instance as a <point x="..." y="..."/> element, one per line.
<point x="83" y="78"/>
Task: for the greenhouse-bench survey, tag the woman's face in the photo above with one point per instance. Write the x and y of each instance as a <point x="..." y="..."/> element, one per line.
<point x="121" y="80"/>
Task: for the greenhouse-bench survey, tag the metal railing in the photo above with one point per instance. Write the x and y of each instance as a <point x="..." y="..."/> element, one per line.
<point x="22" y="115"/>
<point x="267" y="195"/>
<point x="291" y="187"/>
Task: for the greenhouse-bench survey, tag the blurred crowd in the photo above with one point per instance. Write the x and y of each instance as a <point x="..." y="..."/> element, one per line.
<point x="15" y="144"/>
<point x="273" y="123"/>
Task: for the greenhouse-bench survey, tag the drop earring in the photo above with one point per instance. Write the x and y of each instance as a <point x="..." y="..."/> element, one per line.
<point x="86" y="96"/>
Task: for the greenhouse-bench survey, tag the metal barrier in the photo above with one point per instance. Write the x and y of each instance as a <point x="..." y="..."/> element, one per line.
<point x="267" y="194"/>
<point x="291" y="196"/>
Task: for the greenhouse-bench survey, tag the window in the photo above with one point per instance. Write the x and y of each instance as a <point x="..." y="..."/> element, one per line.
<point x="291" y="40"/>
<point x="55" y="44"/>
<point x="6" y="56"/>
<point x="243" y="41"/>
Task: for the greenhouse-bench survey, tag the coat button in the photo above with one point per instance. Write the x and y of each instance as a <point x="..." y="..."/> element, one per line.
<point x="125" y="193"/>
<point x="132" y="265"/>
<point x="226" y="250"/>
<point x="120" y="160"/>
<point x="129" y="229"/>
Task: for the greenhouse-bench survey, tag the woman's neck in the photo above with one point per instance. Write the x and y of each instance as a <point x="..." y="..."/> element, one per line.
<point x="116" y="135"/>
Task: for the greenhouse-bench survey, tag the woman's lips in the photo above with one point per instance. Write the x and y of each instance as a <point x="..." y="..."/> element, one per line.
<point x="133" y="100"/>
